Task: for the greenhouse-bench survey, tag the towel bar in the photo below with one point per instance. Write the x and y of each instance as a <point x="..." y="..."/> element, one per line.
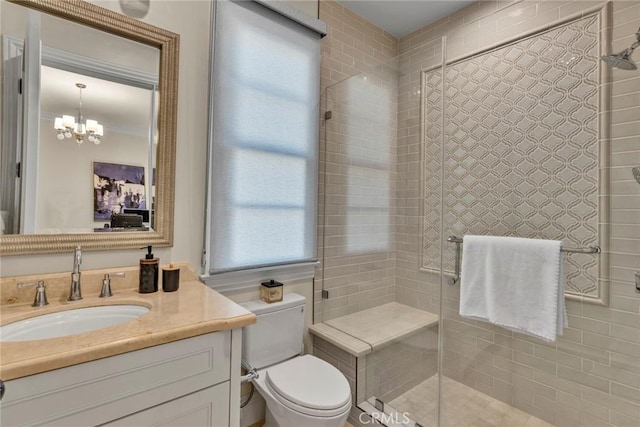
<point x="458" y="241"/>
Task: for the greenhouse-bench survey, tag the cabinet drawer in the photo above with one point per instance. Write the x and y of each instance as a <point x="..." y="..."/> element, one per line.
<point x="103" y="390"/>
<point x="204" y="408"/>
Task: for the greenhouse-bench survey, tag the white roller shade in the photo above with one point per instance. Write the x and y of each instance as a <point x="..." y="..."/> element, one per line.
<point x="265" y="135"/>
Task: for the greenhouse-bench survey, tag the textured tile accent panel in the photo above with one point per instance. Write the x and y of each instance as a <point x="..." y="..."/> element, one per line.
<point x="521" y="148"/>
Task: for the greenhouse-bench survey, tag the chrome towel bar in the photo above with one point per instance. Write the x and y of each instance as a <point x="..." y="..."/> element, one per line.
<point x="458" y="241"/>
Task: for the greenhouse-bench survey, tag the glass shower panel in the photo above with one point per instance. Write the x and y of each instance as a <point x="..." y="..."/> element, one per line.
<point x="380" y="307"/>
<point x="540" y="141"/>
<point x="358" y="164"/>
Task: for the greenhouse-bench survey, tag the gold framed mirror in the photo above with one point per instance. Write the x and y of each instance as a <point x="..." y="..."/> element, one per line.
<point x="167" y="44"/>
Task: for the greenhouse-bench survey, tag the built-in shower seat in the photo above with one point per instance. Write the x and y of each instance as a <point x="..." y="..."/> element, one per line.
<point x="368" y="330"/>
<point x="383" y="351"/>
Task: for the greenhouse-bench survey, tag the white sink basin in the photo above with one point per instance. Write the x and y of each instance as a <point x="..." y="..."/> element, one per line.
<point x="70" y="322"/>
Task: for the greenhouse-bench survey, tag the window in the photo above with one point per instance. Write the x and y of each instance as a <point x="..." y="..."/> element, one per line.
<point x="263" y="164"/>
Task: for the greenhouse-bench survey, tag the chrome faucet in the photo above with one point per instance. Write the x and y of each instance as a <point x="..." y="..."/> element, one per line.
<point x="75" y="294"/>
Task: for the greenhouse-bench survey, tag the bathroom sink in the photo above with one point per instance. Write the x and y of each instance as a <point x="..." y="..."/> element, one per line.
<point x="70" y="322"/>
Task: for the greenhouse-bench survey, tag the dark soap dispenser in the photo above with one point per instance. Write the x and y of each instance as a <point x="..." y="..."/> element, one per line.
<point x="148" y="273"/>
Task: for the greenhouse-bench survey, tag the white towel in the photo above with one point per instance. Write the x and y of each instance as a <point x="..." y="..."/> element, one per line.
<point x="515" y="283"/>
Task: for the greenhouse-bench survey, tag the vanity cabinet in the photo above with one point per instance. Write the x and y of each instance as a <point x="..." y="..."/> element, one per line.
<point x="185" y="382"/>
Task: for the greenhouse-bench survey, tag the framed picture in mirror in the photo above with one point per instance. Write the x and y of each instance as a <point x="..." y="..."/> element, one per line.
<point x="117" y="187"/>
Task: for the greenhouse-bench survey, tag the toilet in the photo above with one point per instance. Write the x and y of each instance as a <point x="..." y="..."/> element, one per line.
<point x="299" y="390"/>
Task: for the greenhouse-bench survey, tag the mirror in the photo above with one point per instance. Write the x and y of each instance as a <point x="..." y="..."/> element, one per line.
<point x="66" y="196"/>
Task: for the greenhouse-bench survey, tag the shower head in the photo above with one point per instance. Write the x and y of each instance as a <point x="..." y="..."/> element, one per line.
<point x="636" y="173"/>
<point x="623" y="59"/>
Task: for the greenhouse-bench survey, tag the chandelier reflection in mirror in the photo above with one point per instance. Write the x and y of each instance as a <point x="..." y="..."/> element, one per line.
<point x="68" y="126"/>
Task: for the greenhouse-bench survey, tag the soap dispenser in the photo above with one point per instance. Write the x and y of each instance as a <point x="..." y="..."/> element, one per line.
<point x="148" y="273"/>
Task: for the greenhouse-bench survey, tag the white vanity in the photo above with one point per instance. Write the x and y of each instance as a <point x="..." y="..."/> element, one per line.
<point x="179" y="364"/>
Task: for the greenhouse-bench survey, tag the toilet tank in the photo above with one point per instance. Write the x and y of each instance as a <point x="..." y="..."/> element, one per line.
<point x="278" y="332"/>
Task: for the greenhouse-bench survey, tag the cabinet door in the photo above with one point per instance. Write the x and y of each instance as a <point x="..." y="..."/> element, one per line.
<point x="208" y="407"/>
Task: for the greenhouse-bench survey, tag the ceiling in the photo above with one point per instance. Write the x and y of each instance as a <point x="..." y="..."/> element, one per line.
<point x="401" y="17"/>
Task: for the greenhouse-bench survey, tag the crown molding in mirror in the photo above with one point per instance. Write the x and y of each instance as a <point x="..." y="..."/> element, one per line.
<point x="168" y="43"/>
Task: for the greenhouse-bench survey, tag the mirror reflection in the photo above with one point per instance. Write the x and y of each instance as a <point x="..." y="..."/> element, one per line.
<point x="90" y="153"/>
<point x="115" y="170"/>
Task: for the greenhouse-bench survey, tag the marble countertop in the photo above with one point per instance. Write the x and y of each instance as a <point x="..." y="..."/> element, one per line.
<point x="193" y="310"/>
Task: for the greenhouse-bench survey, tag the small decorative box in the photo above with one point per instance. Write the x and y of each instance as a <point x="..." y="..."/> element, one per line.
<point x="271" y="291"/>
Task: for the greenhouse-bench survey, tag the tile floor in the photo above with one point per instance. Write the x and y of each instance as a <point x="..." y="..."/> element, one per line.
<point x="462" y="407"/>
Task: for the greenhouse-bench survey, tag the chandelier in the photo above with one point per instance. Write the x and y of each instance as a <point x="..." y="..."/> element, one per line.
<point x="68" y="126"/>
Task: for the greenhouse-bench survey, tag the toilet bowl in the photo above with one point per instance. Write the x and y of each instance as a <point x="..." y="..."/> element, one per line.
<point x="304" y="392"/>
<point x="300" y="391"/>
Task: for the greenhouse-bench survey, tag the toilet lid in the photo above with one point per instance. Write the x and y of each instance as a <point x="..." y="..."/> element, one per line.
<point x="310" y="383"/>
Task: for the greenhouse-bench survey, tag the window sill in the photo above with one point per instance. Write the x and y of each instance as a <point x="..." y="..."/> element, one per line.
<point x="233" y="281"/>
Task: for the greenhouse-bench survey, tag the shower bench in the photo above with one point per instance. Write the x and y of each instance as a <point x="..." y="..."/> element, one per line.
<point x="369" y="330"/>
<point x="383" y="351"/>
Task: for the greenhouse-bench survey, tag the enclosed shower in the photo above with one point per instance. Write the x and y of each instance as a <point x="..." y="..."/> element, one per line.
<point x="512" y="119"/>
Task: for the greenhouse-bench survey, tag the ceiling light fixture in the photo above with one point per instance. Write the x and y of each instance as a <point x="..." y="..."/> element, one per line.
<point x="68" y="126"/>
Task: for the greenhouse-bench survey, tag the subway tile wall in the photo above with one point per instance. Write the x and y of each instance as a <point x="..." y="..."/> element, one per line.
<point x="352" y="45"/>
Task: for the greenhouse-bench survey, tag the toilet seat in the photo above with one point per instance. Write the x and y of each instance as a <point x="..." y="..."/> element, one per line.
<point x="310" y="386"/>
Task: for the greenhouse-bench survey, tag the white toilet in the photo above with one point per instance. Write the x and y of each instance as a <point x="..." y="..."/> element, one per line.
<point x="300" y="391"/>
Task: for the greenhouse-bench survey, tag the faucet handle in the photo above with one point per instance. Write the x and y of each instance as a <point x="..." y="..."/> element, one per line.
<point x="106" y="284"/>
<point x="40" y="299"/>
<point x="77" y="259"/>
<point x="23" y="285"/>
